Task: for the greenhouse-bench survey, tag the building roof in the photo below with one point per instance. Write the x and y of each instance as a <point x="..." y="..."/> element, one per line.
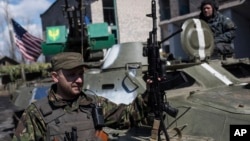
<point x="11" y="61"/>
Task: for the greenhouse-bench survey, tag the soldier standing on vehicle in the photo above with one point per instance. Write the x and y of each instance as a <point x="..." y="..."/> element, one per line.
<point x="67" y="114"/>
<point x="222" y="27"/>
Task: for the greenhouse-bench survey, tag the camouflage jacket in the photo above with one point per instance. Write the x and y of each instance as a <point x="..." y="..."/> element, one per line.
<point x="222" y="27"/>
<point x="31" y="125"/>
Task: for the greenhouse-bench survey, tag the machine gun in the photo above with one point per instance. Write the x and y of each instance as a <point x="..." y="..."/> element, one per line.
<point x="77" y="38"/>
<point x="156" y="73"/>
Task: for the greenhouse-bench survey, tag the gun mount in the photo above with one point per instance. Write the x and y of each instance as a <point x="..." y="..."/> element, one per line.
<point x="89" y="39"/>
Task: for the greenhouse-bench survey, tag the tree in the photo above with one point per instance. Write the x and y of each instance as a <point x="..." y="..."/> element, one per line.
<point x="5" y="20"/>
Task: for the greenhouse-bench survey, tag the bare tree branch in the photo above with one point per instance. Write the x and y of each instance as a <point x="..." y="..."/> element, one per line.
<point x="6" y="22"/>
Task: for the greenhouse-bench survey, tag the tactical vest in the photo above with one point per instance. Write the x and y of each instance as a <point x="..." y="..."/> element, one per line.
<point x="60" y="124"/>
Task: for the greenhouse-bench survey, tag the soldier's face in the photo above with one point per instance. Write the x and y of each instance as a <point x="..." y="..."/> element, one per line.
<point x="207" y="10"/>
<point x="69" y="82"/>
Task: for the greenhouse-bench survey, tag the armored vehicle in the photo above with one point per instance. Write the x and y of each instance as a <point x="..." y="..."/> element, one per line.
<point x="211" y="94"/>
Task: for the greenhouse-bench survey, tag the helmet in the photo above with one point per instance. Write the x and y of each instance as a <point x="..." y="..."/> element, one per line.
<point x="213" y="3"/>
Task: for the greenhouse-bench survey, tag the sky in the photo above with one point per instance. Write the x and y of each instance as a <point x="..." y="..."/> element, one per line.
<point x="27" y="14"/>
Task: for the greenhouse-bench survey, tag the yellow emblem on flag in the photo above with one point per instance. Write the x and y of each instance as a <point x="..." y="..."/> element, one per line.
<point x="53" y="34"/>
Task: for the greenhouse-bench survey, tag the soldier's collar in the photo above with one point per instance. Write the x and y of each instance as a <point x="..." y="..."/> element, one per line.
<point x="58" y="101"/>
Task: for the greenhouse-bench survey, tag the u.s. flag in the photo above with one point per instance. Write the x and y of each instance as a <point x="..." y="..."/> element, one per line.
<point x="29" y="45"/>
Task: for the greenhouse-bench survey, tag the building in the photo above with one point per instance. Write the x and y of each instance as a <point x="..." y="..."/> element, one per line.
<point x="175" y="12"/>
<point x="128" y="22"/>
<point x="4" y="61"/>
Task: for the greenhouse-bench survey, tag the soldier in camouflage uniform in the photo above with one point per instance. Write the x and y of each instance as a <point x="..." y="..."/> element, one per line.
<point x="222" y="27"/>
<point x="68" y="109"/>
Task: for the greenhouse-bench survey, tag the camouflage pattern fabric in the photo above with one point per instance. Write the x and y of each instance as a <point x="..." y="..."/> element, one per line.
<point x="31" y="127"/>
<point x="223" y="29"/>
<point x="224" y="32"/>
<point x="124" y="116"/>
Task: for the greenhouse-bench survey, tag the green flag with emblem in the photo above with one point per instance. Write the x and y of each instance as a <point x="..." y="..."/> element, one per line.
<point x="56" y="34"/>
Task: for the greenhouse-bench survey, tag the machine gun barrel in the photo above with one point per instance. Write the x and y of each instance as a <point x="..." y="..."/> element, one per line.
<point x="67" y="10"/>
<point x="173" y="34"/>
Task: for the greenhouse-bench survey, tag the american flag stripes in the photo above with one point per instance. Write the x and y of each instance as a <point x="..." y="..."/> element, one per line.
<point x="29" y="45"/>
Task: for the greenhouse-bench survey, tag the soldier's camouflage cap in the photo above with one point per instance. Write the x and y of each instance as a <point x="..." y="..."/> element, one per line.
<point x="67" y="60"/>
